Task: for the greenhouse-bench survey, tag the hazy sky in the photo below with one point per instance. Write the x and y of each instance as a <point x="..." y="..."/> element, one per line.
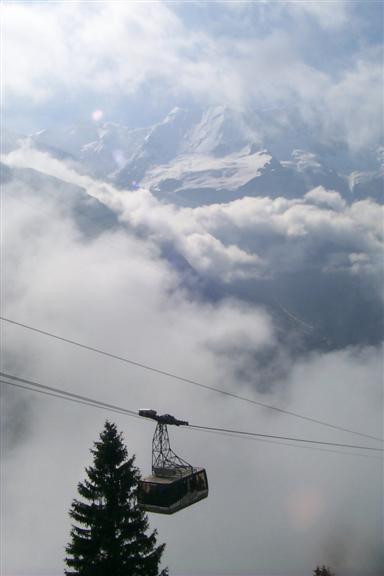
<point x="272" y="508"/>
<point x="135" y="60"/>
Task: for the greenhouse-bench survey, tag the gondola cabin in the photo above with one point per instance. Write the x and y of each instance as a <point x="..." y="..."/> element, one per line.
<point x="174" y="483"/>
<point x="167" y="494"/>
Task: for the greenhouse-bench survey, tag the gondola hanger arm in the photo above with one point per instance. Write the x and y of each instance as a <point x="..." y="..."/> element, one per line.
<point x="162" y="419"/>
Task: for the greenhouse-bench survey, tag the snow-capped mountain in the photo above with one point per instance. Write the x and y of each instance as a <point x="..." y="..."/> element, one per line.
<point x="215" y="155"/>
<point x="215" y="132"/>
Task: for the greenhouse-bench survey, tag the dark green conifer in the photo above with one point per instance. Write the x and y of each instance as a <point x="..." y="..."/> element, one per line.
<point x="322" y="571"/>
<point x="109" y="535"/>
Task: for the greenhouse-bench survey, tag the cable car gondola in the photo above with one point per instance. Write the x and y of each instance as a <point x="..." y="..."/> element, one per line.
<point x="174" y="484"/>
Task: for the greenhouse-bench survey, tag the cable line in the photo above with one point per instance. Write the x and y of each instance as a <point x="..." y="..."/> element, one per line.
<point x="287" y="444"/>
<point x="188" y="380"/>
<point x="291" y="439"/>
<point x="69" y="399"/>
<point x="58" y="393"/>
<point x="63" y="394"/>
<point x="95" y="404"/>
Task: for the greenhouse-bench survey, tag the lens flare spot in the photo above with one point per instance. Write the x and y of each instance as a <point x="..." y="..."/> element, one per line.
<point x="97" y="115"/>
<point x="305" y="507"/>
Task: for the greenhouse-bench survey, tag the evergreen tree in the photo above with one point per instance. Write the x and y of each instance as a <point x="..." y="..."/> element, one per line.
<point x="109" y="538"/>
<point x="322" y="571"/>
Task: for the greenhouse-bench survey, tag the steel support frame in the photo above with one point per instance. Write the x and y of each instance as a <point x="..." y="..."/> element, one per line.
<point x="163" y="457"/>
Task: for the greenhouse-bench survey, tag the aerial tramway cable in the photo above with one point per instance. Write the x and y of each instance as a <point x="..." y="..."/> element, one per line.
<point x="63" y="394"/>
<point x="188" y="380"/>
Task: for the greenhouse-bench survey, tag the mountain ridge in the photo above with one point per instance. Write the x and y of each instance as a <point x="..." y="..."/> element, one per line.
<point x="195" y="156"/>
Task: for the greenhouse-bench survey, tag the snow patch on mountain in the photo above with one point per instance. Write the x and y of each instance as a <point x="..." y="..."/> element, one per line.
<point x="201" y="171"/>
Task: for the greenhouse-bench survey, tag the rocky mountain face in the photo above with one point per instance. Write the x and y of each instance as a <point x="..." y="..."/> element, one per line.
<point x="195" y="157"/>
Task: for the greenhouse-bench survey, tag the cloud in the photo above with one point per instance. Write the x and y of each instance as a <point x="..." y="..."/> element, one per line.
<point x="270" y="506"/>
<point x="326" y="198"/>
<point x="321" y="223"/>
<point x="141" y="209"/>
<point x="267" y="236"/>
<point x="81" y="51"/>
<point x="353" y="104"/>
<point x="115" y="49"/>
<point x="329" y="15"/>
<point x="116" y="291"/>
<point x="325" y="14"/>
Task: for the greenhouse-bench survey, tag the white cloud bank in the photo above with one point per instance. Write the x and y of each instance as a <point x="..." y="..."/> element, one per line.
<point x="267" y="236"/>
<point x="114" y="48"/>
<point x="271" y="507"/>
